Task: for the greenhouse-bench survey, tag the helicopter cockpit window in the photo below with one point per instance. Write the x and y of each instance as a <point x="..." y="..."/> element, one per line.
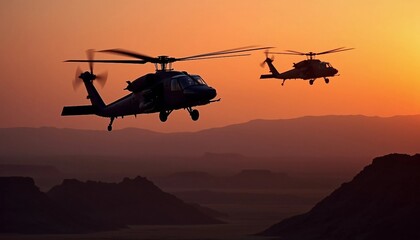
<point x="199" y="79"/>
<point x="175" y="85"/>
<point x="185" y="81"/>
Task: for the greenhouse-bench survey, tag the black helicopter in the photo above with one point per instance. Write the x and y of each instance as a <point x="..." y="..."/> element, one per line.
<point x="309" y="69"/>
<point x="160" y="92"/>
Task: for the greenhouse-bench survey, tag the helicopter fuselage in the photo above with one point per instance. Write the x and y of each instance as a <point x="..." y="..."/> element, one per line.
<point x="309" y="69"/>
<point x="161" y="91"/>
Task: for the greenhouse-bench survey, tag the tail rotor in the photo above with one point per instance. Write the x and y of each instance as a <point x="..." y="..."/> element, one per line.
<point x="77" y="81"/>
<point x="267" y="58"/>
<point x="89" y="76"/>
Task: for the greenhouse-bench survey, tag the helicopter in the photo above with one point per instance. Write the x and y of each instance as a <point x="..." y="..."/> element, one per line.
<point x="161" y="92"/>
<point x="309" y="69"/>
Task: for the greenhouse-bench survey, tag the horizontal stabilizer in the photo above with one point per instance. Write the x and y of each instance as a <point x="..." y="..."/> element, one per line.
<point x="78" y="110"/>
<point x="267" y="76"/>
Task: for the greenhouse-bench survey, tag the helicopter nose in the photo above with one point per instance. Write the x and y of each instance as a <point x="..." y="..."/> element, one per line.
<point x="211" y="93"/>
<point x="200" y="93"/>
<point x="335" y="71"/>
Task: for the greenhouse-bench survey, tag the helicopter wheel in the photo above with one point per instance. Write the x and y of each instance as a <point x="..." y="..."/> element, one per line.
<point x="194" y="115"/>
<point x="327" y="80"/>
<point x="110" y="124"/>
<point x="163" y="116"/>
<point x="311" y="82"/>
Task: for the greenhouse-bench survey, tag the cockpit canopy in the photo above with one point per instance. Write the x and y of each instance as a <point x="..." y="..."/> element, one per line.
<point x="182" y="81"/>
<point x="327" y="65"/>
<point x="199" y="79"/>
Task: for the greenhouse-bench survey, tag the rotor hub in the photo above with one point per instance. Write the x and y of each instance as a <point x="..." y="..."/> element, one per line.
<point x="87" y="76"/>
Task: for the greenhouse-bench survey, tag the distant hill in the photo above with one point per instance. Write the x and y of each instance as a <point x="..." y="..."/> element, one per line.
<point x="381" y="202"/>
<point x="258" y="178"/>
<point x="130" y="202"/>
<point x="237" y="197"/>
<point x="245" y="179"/>
<point x="189" y="179"/>
<point x="82" y="207"/>
<point x="25" y="209"/>
<point x="327" y="136"/>
<point x="44" y="175"/>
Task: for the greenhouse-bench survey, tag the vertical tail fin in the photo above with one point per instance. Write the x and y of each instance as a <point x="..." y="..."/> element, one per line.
<point x="273" y="70"/>
<point x="93" y="94"/>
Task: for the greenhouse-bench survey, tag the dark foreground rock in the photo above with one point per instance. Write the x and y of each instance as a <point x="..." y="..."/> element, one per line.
<point x="381" y="202"/>
<point x="25" y="209"/>
<point x="130" y="202"/>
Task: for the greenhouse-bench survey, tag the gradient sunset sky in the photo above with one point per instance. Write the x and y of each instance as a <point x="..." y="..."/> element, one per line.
<point x="380" y="77"/>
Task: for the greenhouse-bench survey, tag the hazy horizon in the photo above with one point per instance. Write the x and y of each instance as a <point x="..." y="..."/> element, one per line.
<point x="159" y="130"/>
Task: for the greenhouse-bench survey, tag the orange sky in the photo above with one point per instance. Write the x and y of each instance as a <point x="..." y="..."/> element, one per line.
<point x="380" y="77"/>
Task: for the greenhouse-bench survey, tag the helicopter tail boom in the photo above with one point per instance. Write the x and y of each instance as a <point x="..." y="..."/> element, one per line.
<point x="94" y="97"/>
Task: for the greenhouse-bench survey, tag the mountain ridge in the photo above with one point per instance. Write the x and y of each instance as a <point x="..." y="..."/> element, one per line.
<point x="305" y="136"/>
<point x="229" y="125"/>
<point x="83" y="207"/>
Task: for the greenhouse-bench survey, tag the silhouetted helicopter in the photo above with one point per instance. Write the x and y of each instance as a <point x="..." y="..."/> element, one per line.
<point x="309" y="69"/>
<point x="160" y="92"/>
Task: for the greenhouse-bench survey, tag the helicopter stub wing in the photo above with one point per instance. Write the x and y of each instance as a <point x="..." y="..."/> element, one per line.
<point x="265" y="76"/>
<point x="78" y="110"/>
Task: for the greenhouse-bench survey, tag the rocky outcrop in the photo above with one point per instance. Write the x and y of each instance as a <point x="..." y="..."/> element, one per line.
<point x="25" y="209"/>
<point x="81" y="207"/>
<point x="381" y="202"/>
<point x="130" y="202"/>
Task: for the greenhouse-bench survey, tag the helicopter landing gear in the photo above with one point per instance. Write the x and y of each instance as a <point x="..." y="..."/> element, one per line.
<point x="110" y="124"/>
<point x="163" y="115"/>
<point x="327" y="80"/>
<point x="311" y="82"/>
<point x="284" y="80"/>
<point x="193" y="113"/>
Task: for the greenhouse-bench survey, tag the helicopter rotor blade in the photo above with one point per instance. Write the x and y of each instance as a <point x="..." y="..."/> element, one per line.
<point x="77" y="81"/>
<point x="142" y="59"/>
<point x="332" y="50"/>
<point x="286" y="53"/>
<point x="296" y="52"/>
<point x="223" y="52"/>
<point x="101" y="78"/>
<point x="127" y="53"/>
<point x="216" y="52"/>
<point x="111" y="61"/>
<point x="311" y="54"/>
<point x="202" y="58"/>
<point x="90" y="53"/>
<point x="262" y="64"/>
<point x="266" y="53"/>
<point x="342" y="49"/>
